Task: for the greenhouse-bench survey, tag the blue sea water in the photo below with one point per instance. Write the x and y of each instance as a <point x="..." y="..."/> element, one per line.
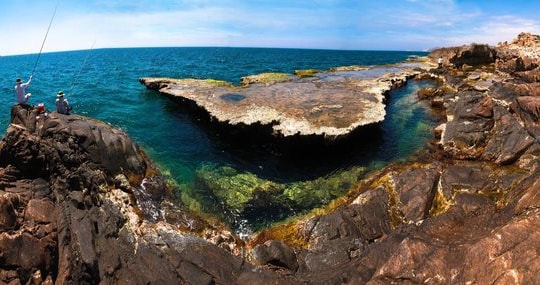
<point x="103" y="84"/>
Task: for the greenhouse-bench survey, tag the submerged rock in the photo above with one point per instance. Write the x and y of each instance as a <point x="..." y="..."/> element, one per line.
<point x="244" y="194"/>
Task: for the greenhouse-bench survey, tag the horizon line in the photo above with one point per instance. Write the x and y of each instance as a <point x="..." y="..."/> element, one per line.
<point x="195" y="46"/>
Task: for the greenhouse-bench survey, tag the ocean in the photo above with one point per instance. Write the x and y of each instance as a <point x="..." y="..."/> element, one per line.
<point x="103" y="84"/>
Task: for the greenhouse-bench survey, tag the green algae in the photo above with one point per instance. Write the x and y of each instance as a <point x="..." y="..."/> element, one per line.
<point x="219" y="83"/>
<point x="322" y="190"/>
<point x="266" y="78"/>
<point x="238" y="191"/>
<point x="441" y="203"/>
<point x="248" y="201"/>
<point x="233" y="188"/>
<point x="306" y="73"/>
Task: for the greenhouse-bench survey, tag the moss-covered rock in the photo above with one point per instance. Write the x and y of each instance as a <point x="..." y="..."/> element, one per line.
<point x="306" y="72"/>
<point x="265" y="78"/>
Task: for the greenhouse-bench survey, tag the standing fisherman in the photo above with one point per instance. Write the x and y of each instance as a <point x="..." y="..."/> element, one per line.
<point x="20" y="90"/>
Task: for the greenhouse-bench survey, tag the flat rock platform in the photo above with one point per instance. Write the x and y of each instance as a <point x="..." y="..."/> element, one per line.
<point x="329" y="103"/>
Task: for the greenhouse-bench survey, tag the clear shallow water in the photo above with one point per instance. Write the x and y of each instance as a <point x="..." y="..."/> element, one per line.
<point x="103" y="84"/>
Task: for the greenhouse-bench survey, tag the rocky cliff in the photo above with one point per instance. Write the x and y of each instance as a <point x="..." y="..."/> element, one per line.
<point x="80" y="203"/>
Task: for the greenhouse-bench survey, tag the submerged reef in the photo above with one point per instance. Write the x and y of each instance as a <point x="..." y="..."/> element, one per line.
<point x="243" y="194"/>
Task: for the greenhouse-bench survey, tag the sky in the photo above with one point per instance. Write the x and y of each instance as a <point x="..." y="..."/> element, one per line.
<point x="415" y="25"/>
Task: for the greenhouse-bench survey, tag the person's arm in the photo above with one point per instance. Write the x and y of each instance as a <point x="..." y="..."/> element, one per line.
<point x="29" y="80"/>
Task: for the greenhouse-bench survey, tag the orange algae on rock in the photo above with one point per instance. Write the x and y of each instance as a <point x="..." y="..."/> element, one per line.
<point x="289" y="233"/>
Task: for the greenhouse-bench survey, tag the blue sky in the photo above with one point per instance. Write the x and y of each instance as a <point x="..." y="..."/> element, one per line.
<point x="327" y="24"/>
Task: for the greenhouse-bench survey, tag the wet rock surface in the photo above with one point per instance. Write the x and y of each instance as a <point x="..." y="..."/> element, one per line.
<point x="464" y="211"/>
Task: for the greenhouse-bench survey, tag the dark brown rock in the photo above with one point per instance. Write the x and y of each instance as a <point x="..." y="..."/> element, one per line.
<point x="471" y="55"/>
<point x="471" y="120"/>
<point x="509" y="139"/>
<point x="276" y="253"/>
<point x="62" y="222"/>
<point x="8" y="215"/>
<point x="528" y="109"/>
<point x="416" y="189"/>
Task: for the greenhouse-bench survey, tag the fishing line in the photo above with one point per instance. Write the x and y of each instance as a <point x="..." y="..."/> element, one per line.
<point x="75" y="79"/>
<point x="45" y="39"/>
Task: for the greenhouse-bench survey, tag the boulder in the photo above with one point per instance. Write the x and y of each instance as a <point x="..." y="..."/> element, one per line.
<point x="469" y="55"/>
<point x="74" y="139"/>
<point x="276" y="253"/>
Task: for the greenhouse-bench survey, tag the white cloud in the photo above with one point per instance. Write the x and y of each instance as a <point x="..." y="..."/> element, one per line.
<point x="412" y="24"/>
<point x="495" y="30"/>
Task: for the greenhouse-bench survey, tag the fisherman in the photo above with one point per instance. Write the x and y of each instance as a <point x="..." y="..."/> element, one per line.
<point x="62" y="105"/>
<point x="440" y="62"/>
<point x="20" y="90"/>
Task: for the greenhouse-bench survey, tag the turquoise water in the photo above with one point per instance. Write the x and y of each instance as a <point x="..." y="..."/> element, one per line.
<point x="103" y="84"/>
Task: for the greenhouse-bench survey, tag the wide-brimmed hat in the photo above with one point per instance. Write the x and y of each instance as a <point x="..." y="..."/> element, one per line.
<point x="60" y="93"/>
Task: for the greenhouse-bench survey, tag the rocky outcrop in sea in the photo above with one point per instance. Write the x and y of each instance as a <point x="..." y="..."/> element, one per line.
<point x="80" y="202"/>
<point x="329" y="104"/>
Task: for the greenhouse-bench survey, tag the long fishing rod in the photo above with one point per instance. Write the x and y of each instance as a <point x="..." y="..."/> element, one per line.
<point x="75" y="80"/>
<point x="43" y="43"/>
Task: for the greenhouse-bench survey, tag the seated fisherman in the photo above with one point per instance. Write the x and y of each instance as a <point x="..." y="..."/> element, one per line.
<point x="62" y="105"/>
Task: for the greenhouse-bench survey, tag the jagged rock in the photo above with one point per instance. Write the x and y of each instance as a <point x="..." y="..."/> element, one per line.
<point x="77" y="140"/>
<point x="63" y="221"/>
<point x="416" y="191"/>
<point x="467" y="127"/>
<point x="8" y="215"/>
<point x="467" y="206"/>
<point x="509" y="140"/>
<point x="431" y="92"/>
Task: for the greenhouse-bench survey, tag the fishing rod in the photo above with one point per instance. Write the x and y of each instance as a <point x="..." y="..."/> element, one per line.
<point x="43" y="43"/>
<point x="75" y="79"/>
